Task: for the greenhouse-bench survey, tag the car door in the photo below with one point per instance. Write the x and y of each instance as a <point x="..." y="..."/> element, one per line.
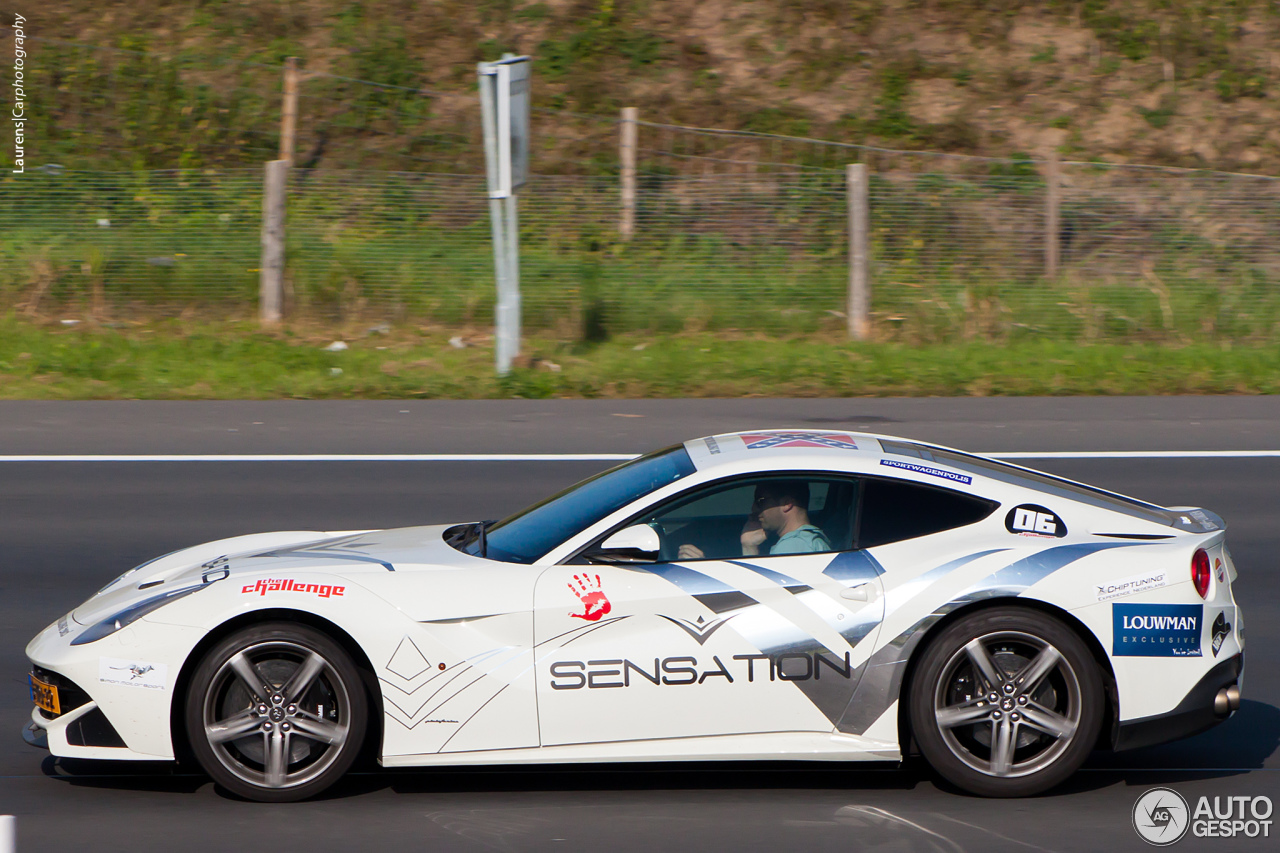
<point x="930" y="548"/>
<point x="712" y="642"/>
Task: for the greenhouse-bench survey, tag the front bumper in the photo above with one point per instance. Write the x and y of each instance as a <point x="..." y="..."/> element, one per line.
<point x="108" y="717"/>
<point x="1194" y="714"/>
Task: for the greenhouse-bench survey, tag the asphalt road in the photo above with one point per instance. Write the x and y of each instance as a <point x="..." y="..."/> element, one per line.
<point x="66" y="528"/>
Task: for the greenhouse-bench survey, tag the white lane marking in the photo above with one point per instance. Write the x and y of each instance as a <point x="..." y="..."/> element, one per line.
<point x="588" y="457"/>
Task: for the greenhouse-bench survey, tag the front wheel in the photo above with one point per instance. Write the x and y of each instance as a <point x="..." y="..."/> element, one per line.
<point x="276" y="712"/>
<point x="1006" y="702"/>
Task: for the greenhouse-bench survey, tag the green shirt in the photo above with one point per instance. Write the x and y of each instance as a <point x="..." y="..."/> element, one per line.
<point x="805" y="539"/>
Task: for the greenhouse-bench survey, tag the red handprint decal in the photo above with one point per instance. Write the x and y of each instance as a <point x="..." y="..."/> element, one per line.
<point x="594" y="602"/>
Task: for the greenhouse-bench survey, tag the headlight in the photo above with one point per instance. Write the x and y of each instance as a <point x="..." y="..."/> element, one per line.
<point x="132" y="614"/>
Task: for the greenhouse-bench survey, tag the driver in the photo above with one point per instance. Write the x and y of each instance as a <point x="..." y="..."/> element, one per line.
<point x="781" y="508"/>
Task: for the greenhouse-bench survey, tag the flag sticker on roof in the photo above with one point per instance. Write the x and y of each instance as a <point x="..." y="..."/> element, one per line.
<point x="762" y="441"/>
<point x="925" y="469"/>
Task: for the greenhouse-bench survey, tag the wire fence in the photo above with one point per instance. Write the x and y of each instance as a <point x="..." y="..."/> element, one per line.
<point x="733" y="230"/>
<point x="952" y="256"/>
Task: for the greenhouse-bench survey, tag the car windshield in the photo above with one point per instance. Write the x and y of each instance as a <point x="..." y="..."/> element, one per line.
<point x="531" y="533"/>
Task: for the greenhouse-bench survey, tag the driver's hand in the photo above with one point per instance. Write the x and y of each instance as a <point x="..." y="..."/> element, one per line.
<point x="690" y="552"/>
<point x="753" y="536"/>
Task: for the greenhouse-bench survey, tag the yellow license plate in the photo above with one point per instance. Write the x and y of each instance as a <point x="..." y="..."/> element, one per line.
<point x="45" y="696"/>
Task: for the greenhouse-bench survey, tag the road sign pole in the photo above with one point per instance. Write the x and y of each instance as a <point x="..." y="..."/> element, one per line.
<point x="504" y="104"/>
<point x="509" y="302"/>
<point x="497" y="217"/>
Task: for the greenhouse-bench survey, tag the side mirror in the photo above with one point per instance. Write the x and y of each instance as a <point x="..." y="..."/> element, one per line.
<point x="639" y="543"/>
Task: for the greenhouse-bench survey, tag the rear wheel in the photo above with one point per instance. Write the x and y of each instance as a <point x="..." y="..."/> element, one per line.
<point x="276" y="712"/>
<point x="1006" y="702"/>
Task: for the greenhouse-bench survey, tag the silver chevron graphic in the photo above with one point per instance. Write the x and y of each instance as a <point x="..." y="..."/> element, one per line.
<point x="700" y="630"/>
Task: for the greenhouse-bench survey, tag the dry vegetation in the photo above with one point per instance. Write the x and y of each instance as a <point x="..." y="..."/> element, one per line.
<point x="1181" y="83"/>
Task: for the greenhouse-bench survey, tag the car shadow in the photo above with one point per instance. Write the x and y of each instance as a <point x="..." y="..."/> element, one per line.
<point x="1237" y="746"/>
<point x="682" y="776"/>
<point x="1245" y="741"/>
<point x="150" y="776"/>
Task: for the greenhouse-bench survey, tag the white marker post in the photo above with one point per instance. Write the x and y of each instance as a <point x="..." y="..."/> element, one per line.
<point x="8" y="834"/>
<point x="504" y="105"/>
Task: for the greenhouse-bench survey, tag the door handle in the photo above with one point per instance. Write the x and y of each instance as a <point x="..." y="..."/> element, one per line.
<point x="861" y="592"/>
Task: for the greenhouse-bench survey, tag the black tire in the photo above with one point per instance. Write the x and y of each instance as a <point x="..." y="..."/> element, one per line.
<point x="257" y="740"/>
<point x="1023" y="734"/>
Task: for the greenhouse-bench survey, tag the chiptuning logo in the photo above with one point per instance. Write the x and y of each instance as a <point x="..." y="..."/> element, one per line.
<point x="1161" y="817"/>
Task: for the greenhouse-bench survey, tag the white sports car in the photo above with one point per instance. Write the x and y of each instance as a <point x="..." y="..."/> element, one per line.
<point x="767" y="595"/>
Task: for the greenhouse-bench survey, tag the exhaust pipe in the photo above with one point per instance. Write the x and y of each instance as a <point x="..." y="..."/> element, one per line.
<point x="1227" y="700"/>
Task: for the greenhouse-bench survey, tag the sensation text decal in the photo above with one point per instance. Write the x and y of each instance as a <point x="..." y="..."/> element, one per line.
<point x="685" y="669"/>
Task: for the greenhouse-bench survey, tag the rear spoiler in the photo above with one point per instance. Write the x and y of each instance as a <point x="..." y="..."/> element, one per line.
<point x="1196" y="519"/>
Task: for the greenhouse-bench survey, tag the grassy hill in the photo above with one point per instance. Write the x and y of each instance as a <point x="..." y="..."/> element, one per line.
<point x="1179" y="83"/>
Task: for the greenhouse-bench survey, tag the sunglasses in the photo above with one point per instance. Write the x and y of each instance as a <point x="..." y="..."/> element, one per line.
<point x="764" y="502"/>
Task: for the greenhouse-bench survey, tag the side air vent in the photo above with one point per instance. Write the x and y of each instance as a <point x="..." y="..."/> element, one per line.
<point x="93" y="729"/>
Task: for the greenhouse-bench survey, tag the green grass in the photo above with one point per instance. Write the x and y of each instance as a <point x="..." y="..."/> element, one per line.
<point x="378" y="245"/>
<point x="177" y="359"/>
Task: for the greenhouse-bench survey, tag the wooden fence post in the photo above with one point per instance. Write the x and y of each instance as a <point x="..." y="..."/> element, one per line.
<point x="289" y="111"/>
<point x="1051" y="227"/>
<point x="859" y="299"/>
<point x="627" y="226"/>
<point x="271" y="271"/>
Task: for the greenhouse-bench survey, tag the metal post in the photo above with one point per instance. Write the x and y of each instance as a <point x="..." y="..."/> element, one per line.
<point x="289" y="112"/>
<point x="628" y="153"/>
<point x="504" y="353"/>
<point x="1051" y="227"/>
<point x="859" y="299"/>
<point x="271" y="272"/>
<point x="8" y="834"/>
<point x="508" y="311"/>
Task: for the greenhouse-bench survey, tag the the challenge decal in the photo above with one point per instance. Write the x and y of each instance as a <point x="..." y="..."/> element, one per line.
<point x="1156" y="630"/>
<point x="925" y="469"/>
<point x="133" y="673"/>
<point x="266" y="585"/>
<point x="1034" y="520"/>
<point x="799" y="439"/>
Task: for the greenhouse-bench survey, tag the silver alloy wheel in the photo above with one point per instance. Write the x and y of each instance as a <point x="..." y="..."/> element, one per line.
<point x="1008" y="704"/>
<point x="276" y="714"/>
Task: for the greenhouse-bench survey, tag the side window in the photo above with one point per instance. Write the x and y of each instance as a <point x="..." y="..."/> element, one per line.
<point x="758" y="516"/>
<point x="895" y="510"/>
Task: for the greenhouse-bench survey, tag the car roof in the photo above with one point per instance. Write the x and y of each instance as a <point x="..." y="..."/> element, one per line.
<point x="765" y="446"/>
<point x="893" y="456"/>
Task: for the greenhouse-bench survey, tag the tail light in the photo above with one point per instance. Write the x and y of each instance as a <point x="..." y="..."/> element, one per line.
<point x="1200" y="572"/>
